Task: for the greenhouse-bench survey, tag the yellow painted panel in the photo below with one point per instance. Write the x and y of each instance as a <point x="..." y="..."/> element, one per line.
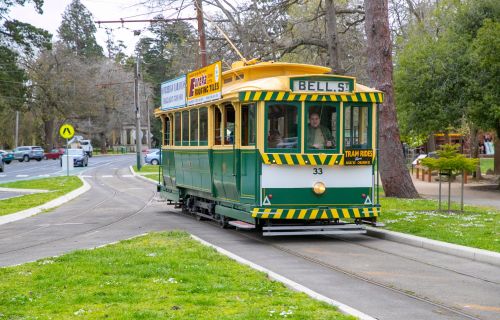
<point x="265" y="157"/>
<point x="363" y="97"/>
<point x="291" y="97"/>
<point x="290" y="214"/>
<point x="277" y="158"/>
<point x="335" y="214"/>
<point x="372" y="96"/>
<point x="345" y="212"/>
<point x="366" y="212"/>
<point x="301" y="159"/>
<point x="302" y="213"/>
<point x="268" y="96"/>
<point x="280" y="96"/>
<point x="278" y="213"/>
<point x="303" y="97"/>
<point x="314" y="97"/>
<point x="314" y="213"/>
<point x="265" y="216"/>
<point x="257" y="95"/>
<point x="311" y="159"/>
<point x="247" y="96"/>
<point x="288" y="158"/>
<point x="356" y="213"/>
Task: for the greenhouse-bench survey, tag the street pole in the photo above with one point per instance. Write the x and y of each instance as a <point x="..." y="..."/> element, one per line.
<point x="67" y="158"/>
<point x="201" y="33"/>
<point x="137" y="113"/>
<point x="148" y="137"/>
<point x="17" y="129"/>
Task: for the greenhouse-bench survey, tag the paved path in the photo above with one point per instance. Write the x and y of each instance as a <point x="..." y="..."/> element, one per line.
<point x="384" y="279"/>
<point x="481" y="194"/>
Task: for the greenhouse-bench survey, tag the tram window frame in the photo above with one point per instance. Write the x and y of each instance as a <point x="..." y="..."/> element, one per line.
<point x="349" y="110"/>
<point x="193" y="127"/>
<point x="298" y="107"/>
<point x="228" y="139"/>
<point x="203" y="126"/>
<point x="177" y="129"/>
<point x="185" y="128"/>
<point x="336" y="141"/>
<point x="167" y="124"/>
<point x="218" y="125"/>
<point x="248" y="124"/>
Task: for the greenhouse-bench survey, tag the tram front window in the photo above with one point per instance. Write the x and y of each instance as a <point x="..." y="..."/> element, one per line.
<point x="282" y="126"/>
<point x="357" y="127"/>
<point x="321" y="132"/>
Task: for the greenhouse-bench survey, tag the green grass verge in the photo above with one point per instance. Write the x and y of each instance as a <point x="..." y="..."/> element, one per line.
<point x="149" y="171"/>
<point x="58" y="186"/>
<point x="486" y="164"/>
<point x="158" y="276"/>
<point x="476" y="227"/>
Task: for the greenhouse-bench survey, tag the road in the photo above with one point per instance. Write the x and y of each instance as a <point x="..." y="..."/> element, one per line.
<point x="384" y="279"/>
<point x="46" y="168"/>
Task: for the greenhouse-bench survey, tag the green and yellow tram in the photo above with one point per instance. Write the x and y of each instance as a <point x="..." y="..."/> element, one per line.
<point x="285" y="147"/>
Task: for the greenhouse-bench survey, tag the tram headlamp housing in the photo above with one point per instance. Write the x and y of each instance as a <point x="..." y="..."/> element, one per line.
<point x="319" y="188"/>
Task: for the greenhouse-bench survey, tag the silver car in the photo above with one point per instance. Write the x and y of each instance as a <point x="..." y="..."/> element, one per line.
<point x="153" y="158"/>
<point x="26" y="153"/>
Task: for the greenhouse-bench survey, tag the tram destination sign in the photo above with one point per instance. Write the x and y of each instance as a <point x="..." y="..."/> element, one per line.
<point x="359" y="157"/>
<point x="173" y="93"/>
<point x="322" y="85"/>
<point x="205" y="84"/>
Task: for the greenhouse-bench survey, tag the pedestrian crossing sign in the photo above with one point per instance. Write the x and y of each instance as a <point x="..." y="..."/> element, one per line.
<point x="67" y="131"/>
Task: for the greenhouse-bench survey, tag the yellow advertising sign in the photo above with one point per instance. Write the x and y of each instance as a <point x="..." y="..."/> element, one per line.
<point x="204" y="84"/>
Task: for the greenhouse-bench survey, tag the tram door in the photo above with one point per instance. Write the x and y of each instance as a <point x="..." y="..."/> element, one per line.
<point x="248" y="154"/>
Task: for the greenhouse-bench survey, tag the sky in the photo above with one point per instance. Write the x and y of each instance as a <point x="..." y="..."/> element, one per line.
<point x="101" y="10"/>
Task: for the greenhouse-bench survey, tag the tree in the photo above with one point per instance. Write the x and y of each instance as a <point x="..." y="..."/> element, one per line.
<point x="77" y="31"/>
<point x="395" y="176"/>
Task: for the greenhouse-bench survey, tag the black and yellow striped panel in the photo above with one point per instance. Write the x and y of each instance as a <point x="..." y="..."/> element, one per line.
<point x="289" y="96"/>
<point x="302" y="159"/>
<point x="311" y="214"/>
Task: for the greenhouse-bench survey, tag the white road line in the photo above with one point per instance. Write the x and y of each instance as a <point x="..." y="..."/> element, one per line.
<point x="2" y="175"/>
<point x="107" y="176"/>
<point x="44" y="175"/>
<point x="22" y="176"/>
<point x="128" y="176"/>
<point x="83" y="176"/>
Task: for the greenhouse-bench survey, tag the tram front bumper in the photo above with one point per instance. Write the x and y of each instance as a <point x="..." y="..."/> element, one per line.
<point x="315" y="213"/>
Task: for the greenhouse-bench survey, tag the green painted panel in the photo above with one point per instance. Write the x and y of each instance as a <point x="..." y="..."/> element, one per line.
<point x="298" y="197"/>
<point x="248" y="178"/>
<point x="235" y="214"/>
<point x="168" y="163"/>
<point x="193" y="169"/>
<point x="225" y="174"/>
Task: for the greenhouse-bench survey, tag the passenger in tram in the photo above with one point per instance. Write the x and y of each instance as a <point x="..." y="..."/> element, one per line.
<point x="319" y="137"/>
<point x="274" y="138"/>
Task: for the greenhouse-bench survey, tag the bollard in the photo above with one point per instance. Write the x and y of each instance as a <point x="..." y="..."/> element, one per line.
<point x="429" y="177"/>
<point x="418" y="173"/>
<point x="465" y="176"/>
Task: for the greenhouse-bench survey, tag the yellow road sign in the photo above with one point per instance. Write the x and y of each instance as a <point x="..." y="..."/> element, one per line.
<point x="67" y="131"/>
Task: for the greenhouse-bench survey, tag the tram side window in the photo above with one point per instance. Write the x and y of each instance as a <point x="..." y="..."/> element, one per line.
<point x="203" y="126"/>
<point x="166" y="133"/>
<point x="217" y="125"/>
<point x="193" y="117"/>
<point x="177" y="123"/>
<point x="229" y="125"/>
<point x="357" y="123"/>
<point x="282" y="126"/>
<point x="185" y="128"/>
<point x="248" y="118"/>
<point x="321" y="132"/>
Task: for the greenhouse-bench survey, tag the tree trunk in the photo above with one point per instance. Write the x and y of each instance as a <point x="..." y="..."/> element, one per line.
<point x="395" y="177"/>
<point x="431" y="143"/>
<point x="474" y="150"/>
<point x="48" y="128"/>
<point x="332" y="38"/>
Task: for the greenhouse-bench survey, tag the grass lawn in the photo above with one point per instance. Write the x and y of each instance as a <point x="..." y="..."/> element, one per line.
<point x="486" y="163"/>
<point x="149" y="171"/>
<point x="476" y="227"/>
<point x="58" y="186"/>
<point x="158" y="276"/>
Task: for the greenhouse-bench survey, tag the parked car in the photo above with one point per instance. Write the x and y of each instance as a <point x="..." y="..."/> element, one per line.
<point x="2" y="164"/>
<point x="87" y="147"/>
<point x="26" y="153"/>
<point x="7" y="156"/>
<point x="80" y="157"/>
<point x="54" y="154"/>
<point x="148" y="151"/>
<point x="153" y="158"/>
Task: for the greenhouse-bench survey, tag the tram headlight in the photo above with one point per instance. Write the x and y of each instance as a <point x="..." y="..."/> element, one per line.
<point x="319" y="188"/>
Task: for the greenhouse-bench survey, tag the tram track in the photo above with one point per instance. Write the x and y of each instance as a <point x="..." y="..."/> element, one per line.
<point x="404" y="292"/>
<point x="97" y="228"/>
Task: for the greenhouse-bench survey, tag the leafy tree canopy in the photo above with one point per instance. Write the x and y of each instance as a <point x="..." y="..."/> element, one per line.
<point x="77" y="31"/>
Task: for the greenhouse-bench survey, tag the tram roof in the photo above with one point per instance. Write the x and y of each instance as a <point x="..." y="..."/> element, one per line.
<point x="273" y="76"/>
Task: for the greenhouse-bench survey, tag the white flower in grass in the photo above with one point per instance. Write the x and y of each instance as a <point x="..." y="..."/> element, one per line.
<point x="81" y="312"/>
<point x="172" y="280"/>
<point x="47" y="261"/>
<point x="152" y="254"/>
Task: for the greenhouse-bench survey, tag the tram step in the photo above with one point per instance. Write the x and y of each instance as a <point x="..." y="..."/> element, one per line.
<point x="284" y="230"/>
<point x="242" y="225"/>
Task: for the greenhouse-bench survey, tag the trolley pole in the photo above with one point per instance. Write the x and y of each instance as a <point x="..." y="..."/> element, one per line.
<point x="201" y="32"/>
<point x="137" y="113"/>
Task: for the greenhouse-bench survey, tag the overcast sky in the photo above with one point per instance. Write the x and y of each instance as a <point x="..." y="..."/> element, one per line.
<point x="101" y="10"/>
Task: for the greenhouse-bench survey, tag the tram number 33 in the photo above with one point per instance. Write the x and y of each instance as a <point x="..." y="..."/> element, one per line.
<point x="317" y="170"/>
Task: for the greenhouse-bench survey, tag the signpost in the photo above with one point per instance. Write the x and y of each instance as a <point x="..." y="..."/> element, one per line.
<point x="67" y="132"/>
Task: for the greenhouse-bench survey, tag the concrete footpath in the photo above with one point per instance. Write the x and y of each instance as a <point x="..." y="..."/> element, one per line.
<point x="481" y="193"/>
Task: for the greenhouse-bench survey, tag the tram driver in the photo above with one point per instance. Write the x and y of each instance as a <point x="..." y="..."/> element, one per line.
<point x="319" y="137"/>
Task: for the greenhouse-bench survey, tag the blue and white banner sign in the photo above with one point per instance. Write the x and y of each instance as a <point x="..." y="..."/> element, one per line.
<point x="173" y="93"/>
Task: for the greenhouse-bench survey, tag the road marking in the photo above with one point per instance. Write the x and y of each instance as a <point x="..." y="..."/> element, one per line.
<point x="107" y="176"/>
<point x="86" y="176"/>
<point x="58" y="224"/>
<point x="22" y="176"/>
<point x="2" y="175"/>
<point x="44" y="175"/>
